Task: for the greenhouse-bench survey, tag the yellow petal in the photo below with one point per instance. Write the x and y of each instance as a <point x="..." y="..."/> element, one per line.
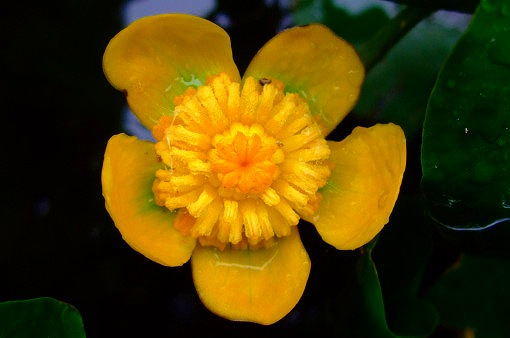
<point x="259" y="286"/>
<point x="315" y="63"/>
<point x="127" y="177"/>
<point x="158" y="57"/>
<point x="363" y="188"/>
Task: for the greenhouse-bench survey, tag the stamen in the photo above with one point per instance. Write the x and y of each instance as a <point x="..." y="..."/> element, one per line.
<point x="209" y="101"/>
<point x="205" y="222"/>
<point x="265" y="225"/>
<point x="252" y="228"/>
<point x="307" y="135"/>
<point x="249" y="100"/>
<point x="270" y="197"/>
<point x="267" y="99"/>
<point x="184" y="183"/>
<point x="206" y="197"/>
<point x="230" y="211"/>
<point x="173" y="202"/>
<point x="290" y="216"/>
<point x="295" y="126"/>
<point x="281" y="226"/>
<point x="185" y="138"/>
<point x="283" y="110"/>
<point x="234" y="102"/>
<point x="293" y="195"/>
<point x="219" y="85"/>
<point x="317" y="150"/>
<point x="308" y="177"/>
<point x="197" y="166"/>
<point x="193" y="109"/>
<point x="171" y="154"/>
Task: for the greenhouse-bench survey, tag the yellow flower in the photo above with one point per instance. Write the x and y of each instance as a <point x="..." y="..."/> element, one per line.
<point x="239" y="161"/>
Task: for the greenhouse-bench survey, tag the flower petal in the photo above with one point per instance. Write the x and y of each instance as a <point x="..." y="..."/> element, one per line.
<point x="315" y="63"/>
<point x="127" y="177"/>
<point x="363" y="188"/>
<point x="158" y="57"/>
<point x="260" y="286"/>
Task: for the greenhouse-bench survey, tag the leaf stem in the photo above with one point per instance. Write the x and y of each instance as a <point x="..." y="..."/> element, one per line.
<point x="373" y="50"/>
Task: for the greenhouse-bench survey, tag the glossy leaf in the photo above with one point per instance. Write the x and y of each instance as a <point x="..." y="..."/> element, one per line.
<point x="396" y="89"/>
<point x="354" y="28"/>
<point x="466" y="154"/>
<point x="371" y="300"/>
<point x="40" y="317"/>
<point x="376" y="310"/>
<point x="366" y="315"/>
<point x="473" y="297"/>
<point x="402" y="255"/>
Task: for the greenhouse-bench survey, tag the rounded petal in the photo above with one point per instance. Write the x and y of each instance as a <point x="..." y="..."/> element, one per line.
<point x="260" y="286"/>
<point x="315" y="63"/>
<point x="363" y="188"/>
<point x="157" y="57"/>
<point x="128" y="173"/>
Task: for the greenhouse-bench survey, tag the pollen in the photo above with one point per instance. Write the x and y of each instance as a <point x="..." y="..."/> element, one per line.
<point x="243" y="162"/>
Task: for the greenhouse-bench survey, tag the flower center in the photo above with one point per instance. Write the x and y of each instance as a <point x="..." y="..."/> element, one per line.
<point x="242" y="163"/>
<point x="245" y="159"/>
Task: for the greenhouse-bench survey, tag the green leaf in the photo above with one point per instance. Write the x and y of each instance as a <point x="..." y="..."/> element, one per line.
<point x="466" y="136"/>
<point x="40" y="317"/>
<point x="370" y="307"/>
<point x="474" y="296"/>
<point x="355" y="308"/>
<point x="397" y="89"/>
<point x="355" y="28"/>
<point x="368" y="317"/>
<point x="402" y="254"/>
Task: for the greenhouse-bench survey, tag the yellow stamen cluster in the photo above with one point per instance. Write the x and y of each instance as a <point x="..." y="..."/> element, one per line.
<point x="243" y="162"/>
